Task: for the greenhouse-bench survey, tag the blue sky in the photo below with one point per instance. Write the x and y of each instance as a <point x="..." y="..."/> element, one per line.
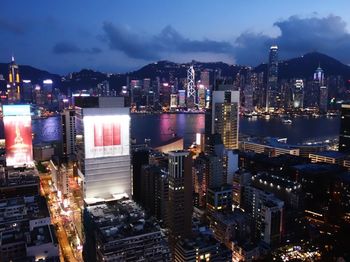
<point x="121" y="35"/>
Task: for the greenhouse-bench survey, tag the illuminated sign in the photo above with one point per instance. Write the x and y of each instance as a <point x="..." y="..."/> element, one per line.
<point x="16" y="110"/>
<point x="18" y="135"/>
<point x="106" y="135"/>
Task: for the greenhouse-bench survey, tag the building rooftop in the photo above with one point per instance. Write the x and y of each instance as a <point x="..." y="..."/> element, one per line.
<point x="22" y="209"/>
<point x="331" y="153"/>
<point x="277" y="181"/>
<point x="200" y="242"/>
<point x="42" y="235"/>
<point x="318" y="168"/>
<point x="18" y="178"/>
<point x="120" y="219"/>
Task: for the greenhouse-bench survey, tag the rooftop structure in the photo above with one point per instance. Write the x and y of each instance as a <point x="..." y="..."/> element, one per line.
<point x="121" y="231"/>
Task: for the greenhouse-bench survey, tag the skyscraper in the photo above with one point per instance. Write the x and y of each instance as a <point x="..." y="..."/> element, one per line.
<point x="272" y="79"/>
<point x="180" y="194"/>
<point x="298" y="94"/>
<point x="225" y="107"/>
<point x="68" y="131"/>
<point x="205" y="80"/>
<point x="103" y="147"/>
<point x="191" y="91"/>
<point x="323" y="105"/>
<point x="344" y="137"/>
<point x="13" y="88"/>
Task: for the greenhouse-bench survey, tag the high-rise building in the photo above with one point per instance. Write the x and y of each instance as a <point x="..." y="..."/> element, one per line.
<point x="173" y="101"/>
<point x="344" y="137"/>
<point x="201" y="96"/>
<point x="180" y="194"/>
<point x="191" y="89"/>
<point x="103" y="147"/>
<point x="140" y="157"/>
<point x="272" y="79"/>
<point x="47" y="91"/>
<point x="27" y="91"/>
<point x="182" y="98"/>
<point x="13" y="87"/>
<point x="298" y="94"/>
<point x="267" y="213"/>
<point x="323" y="104"/>
<point x="319" y="76"/>
<point x="154" y="191"/>
<point x="205" y="79"/>
<point x="68" y="131"/>
<point x="225" y="109"/>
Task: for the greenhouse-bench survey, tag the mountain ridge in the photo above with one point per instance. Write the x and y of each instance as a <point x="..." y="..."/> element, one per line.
<point x="298" y="67"/>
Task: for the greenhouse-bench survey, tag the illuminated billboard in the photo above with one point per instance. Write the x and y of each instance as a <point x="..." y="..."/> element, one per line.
<point x="106" y="135"/>
<point x="18" y="135"/>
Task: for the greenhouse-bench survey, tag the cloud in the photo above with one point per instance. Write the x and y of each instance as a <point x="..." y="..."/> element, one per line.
<point x="71" y="48"/>
<point x="140" y="46"/>
<point x="297" y="36"/>
<point x="8" y="26"/>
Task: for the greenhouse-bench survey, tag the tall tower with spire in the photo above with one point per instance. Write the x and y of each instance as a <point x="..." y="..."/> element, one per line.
<point x="191" y="90"/>
<point x="13" y="87"/>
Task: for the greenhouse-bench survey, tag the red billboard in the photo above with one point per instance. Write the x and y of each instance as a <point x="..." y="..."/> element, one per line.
<point x="18" y="137"/>
<point x="106" y="135"/>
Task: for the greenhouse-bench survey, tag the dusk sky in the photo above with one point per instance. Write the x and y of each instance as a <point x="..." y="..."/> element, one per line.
<point x="122" y="35"/>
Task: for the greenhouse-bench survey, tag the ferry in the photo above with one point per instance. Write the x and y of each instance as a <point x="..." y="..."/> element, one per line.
<point x="287" y="121"/>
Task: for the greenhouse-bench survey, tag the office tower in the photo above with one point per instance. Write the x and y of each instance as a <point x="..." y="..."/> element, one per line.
<point x="191" y="89"/>
<point x="267" y="213"/>
<point x="103" y="89"/>
<point x="225" y="109"/>
<point x="312" y="95"/>
<point x="103" y="147"/>
<point x="68" y="132"/>
<point x="47" y="92"/>
<point x="13" y="87"/>
<point x="201" y="96"/>
<point x="164" y="95"/>
<point x="154" y="191"/>
<point x="136" y="92"/>
<point x="272" y="79"/>
<point x="248" y="95"/>
<point x="344" y="137"/>
<point x="173" y="101"/>
<point x="298" y="94"/>
<point x="18" y="135"/>
<point x="205" y="80"/>
<point x="38" y="96"/>
<point x="180" y="194"/>
<point x="323" y="104"/>
<point x="182" y="98"/>
<point x="27" y="91"/>
<point x="146" y="84"/>
<point x="319" y="76"/>
<point x="121" y="231"/>
<point x="140" y="157"/>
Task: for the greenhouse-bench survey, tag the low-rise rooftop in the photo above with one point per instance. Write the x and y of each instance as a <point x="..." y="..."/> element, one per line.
<point x="120" y="219"/>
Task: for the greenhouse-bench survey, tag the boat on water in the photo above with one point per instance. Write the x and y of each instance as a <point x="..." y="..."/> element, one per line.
<point x="287" y="121"/>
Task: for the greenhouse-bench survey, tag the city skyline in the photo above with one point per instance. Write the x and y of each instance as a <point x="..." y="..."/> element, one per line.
<point x="107" y="36"/>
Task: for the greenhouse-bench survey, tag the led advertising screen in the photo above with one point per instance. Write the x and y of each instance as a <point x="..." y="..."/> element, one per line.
<point x="18" y="137"/>
<point x="106" y="135"/>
